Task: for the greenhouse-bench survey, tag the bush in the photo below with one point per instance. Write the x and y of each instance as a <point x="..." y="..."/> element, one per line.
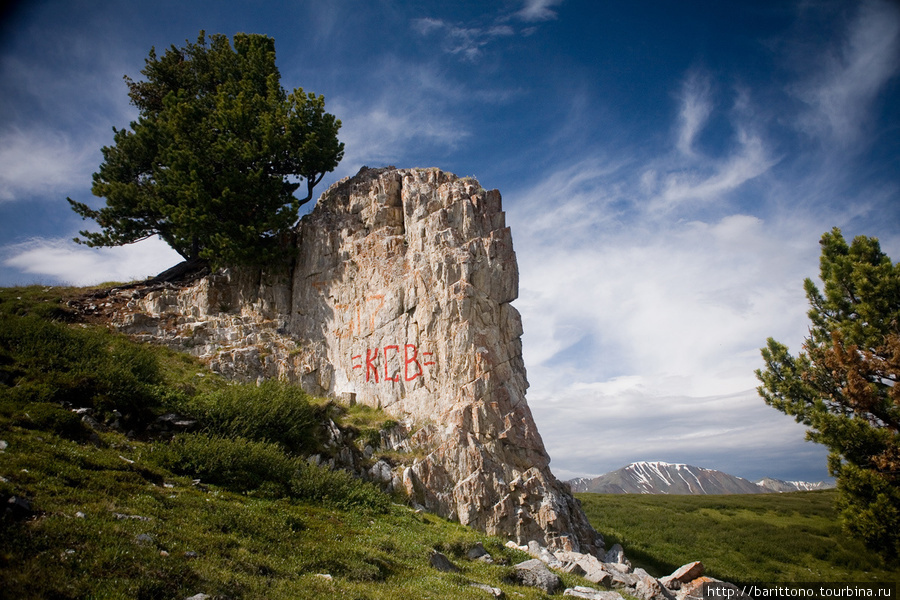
<point x="243" y="465"/>
<point x="337" y="488"/>
<point x="50" y="417"/>
<point x="239" y="464"/>
<point x="272" y="412"/>
<point x="51" y="362"/>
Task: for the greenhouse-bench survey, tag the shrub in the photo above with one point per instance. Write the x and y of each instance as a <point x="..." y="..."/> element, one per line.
<point x="49" y="417"/>
<point x="51" y="362"/>
<point x="238" y="464"/>
<point x="243" y="465"/>
<point x="272" y="412"/>
<point x="337" y="488"/>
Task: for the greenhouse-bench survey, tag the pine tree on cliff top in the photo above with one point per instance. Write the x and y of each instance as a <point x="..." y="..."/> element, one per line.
<point x="213" y="161"/>
<point x="844" y="385"/>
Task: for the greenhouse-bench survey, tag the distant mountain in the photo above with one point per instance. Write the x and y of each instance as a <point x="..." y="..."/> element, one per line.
<point x="667" y="478"/>
<point x="777" y="485"/>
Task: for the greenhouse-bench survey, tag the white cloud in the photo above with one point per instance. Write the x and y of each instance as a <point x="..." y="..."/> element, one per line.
<point x="65" y="262"/>
<point x="466" y="41"/>
<point x="844" y="86"/>
<point x="718" y="178"/>
<point x="670" y="301"/>
<point x="647" y="324"/>
<point x="696" y="107"/>
<point x="593" y="430"/>
<point x="538" y="10"/>
<point x="427" y="25"/>
<point x="59" y="103"/>
<point x="43" y="162"/>
<point x="384" y="132"/>
<point x="407" y="111"/>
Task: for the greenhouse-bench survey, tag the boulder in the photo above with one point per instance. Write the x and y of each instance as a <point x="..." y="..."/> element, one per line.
<point x="495" y="592"/>
<point x="590" y="566"/>
<point x="534" y="573"/>
<point x="649" y="588"/>
<point x="683" y="574"/>
<point x="615" y="555"/>
<point x="440" y="562"/>
<point x="591" y="594"/>
<point x="477" y="552"/>
<point x="573" y="568"/>
<point x="18" y="507"/>
<point x="694" y="589"/>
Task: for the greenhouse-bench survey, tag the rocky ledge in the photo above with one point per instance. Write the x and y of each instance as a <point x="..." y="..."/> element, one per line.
<point x="400" y="297"/>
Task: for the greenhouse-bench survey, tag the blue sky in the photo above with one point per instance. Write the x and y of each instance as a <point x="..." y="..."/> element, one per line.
<point x="667" y="169"/>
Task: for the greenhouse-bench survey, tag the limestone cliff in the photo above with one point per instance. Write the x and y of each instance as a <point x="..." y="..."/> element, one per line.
<point x="399" y="298"/>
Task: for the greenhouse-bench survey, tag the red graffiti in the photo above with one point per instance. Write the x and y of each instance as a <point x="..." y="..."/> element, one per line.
<point x="370" y="364"/>
<point x="359" y="318"/>
<point x="387" y="377"/>
<point x="385" y="364"/>
<point x="411" y="360"/>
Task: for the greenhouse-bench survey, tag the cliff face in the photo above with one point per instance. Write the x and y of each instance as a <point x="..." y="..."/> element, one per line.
<point x="399" y="298"/>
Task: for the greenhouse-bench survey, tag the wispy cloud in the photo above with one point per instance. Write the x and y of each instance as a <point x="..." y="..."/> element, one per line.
<point x="65" y="262"/>
<point x="408" y="111"/>
<point x="696" y="107"/>
<point x="849" y="77"/>
<point x="43" y="162"/>
<point x="538" y="10"/>
<point x="645" y="317"/>
<point x="469" y="40"/>
<point x="717" y="178"/>
<point x="465" y="41"/>
<point x="58" y="105"/>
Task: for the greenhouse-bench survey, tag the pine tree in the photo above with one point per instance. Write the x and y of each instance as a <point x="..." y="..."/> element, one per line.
<point x="844" y="385"/>
<point x="213" y="161"/>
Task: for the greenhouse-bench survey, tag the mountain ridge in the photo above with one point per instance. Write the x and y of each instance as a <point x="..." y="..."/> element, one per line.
<point x="658" y="477"/>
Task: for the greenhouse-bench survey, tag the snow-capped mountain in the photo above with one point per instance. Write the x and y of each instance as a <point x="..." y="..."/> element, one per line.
<point x="667" y="478"/>
<point x="777" y="485"/>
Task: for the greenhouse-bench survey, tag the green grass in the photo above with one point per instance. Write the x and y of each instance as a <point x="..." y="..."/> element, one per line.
<point x="246" y="546"/>
<point x="792" y="537"/>
<point x="122" y="516"/>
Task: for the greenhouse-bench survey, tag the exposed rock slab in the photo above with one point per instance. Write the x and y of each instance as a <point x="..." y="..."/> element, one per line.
<point x="399" y="298"/>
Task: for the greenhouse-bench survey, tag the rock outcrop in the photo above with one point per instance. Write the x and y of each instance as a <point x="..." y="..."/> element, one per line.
<point x="399" y="298"/>
<point x="686" y="583"/>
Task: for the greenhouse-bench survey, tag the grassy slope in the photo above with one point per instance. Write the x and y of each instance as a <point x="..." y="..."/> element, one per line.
<point x="246" y="547"/>
<point x="790" y="537"/>
<point x="272" y="540"/>
<point x="81" y="537"/>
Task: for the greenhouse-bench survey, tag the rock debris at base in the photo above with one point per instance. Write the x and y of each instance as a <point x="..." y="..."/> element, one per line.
<point x="686" y="583"/>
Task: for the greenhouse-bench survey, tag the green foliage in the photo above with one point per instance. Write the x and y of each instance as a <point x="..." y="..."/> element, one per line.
<point x="272" y="412"/>
<point x="113" y="524"/>
<point x="844" y="383"/>
<point x="238" y="464"/>
<point x="211" y="164"/>
<point x="118" y="517"/>
<point x="50" y="417"/>
<point x="44" y="361"/>
<point x="336" y="488"/>
<point x="367" y="422"/>
<point x="242" y="465"/>
<point x="38" y="301"/>
<point x="788" y="538"/>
